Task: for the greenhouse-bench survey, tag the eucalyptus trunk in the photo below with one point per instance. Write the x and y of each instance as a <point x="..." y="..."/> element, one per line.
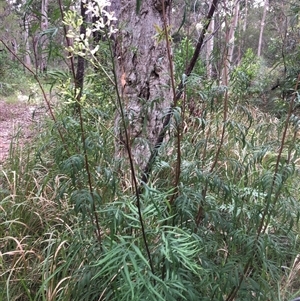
<point x="27" y="59"/>
<point x="209" y="49"/>
<point x="262" y="27"/>
<point x="230" y="42"/>
<point x="142" y="68"/>
<point x="79" y="76"/>
<point x="44" y="38"/>
<point x="242" y="32"/>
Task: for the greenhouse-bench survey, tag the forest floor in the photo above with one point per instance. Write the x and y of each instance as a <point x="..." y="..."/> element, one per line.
<point x="16" y="124"/>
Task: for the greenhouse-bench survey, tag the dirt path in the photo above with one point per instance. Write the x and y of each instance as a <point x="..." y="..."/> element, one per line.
<point x="14" y="116"/>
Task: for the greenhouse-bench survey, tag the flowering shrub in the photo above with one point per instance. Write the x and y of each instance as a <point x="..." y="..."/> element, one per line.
<point x="103" y="23"/>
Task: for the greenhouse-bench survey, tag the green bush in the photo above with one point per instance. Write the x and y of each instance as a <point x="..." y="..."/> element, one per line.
<point x="12" y="77"/>
<point x="74" y="226"/>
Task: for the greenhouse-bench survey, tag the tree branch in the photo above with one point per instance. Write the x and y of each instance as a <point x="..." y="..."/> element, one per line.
<point x="189" y="69"/>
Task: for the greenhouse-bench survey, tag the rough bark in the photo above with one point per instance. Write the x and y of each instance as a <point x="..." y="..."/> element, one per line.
<point x="180" y="88"/>
<point x="152" y="73"/>
<point x="143" y="73"/>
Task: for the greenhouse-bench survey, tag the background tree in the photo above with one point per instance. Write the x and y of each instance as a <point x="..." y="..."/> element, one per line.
<point x="210" y="48"/>
<point x="231" y="22"/>
<point x="44" y="38"/>
<point x="262" y="26"/>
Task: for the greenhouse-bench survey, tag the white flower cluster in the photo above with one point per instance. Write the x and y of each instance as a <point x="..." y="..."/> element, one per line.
<point x="104" y="18"/>
<point x="103" y="23"/>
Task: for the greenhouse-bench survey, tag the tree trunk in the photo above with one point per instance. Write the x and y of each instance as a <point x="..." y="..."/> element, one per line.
<point x="246" y="16"/>
<point x="79" y="77"/>
<point x="143" y="73"/>
<point x="27" y="60"/>
<point x="230" y="42"/>
<point x="262" y="27"/>
<point x="233" y="30"/>
<point x="243" y="35"/>
<point x="43" y="38"/>
<point x="210" y="48"/>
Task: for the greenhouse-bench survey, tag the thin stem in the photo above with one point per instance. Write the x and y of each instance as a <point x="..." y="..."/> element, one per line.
<point x="175" y="101"/>
<point x="169" y="53"/>
<point x="87" y="168"/>
<point x="79" y="80"/>
<point x="70" y="55"/>
<point x="132" y="169"/>
<point x="225" y="113"/>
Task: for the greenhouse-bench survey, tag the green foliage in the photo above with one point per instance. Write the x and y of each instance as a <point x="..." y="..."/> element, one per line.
<point x="244" y="75"/>
<point x="12" y="77"/>
<point x="183" y="53"/>
<point x="55" y="239"/>
<point x="70" y="227"/>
